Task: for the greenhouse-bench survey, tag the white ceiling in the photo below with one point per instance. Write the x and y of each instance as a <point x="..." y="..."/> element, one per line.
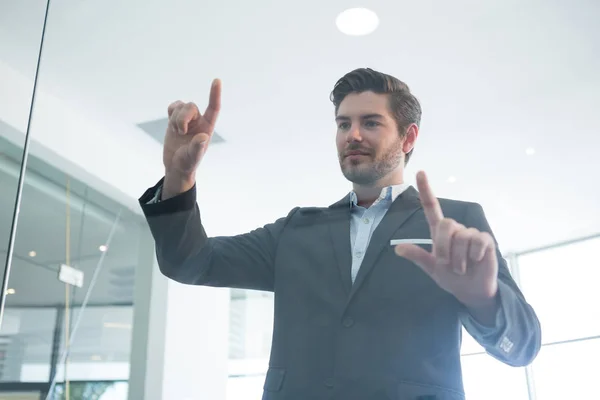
<point x="494" y="77"/>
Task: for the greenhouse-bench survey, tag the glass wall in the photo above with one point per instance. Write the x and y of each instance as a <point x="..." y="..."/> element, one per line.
<point x="25" y="333"/>
<point x="66" y="325"/>
<point x="54" y="333"/>
<point x="20" y="34"/>
<point x="102" y="85"/>
<point x="559" y="281"/>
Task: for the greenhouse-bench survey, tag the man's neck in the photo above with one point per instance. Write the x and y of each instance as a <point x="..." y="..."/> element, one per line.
<point x="367" y="194"/>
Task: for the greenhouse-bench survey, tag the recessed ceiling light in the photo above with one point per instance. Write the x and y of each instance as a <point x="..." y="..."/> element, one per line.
<point x="530" y="151"/>
<point x="32" y="253"/>
<point x="103" y="248"/>
<point x="451" y="179"/>
<point x="357" y="21"/>
<point x="10" y="291"/>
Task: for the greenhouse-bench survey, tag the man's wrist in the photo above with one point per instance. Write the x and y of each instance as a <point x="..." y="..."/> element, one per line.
<point x="485" y="312"/>
<point x="175" y="184"/>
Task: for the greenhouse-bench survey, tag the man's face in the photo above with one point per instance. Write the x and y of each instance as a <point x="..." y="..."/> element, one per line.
<point x="368" y="142"/>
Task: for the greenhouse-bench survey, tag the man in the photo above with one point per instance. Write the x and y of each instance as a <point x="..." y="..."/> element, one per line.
<point x="355" y="318"/>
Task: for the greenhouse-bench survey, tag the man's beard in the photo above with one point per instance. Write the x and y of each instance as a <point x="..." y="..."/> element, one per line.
<point x="370" y="171"/>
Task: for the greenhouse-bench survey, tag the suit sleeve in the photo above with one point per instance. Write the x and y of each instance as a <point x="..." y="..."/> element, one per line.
<point x="516" y="337"/>
<point x="187" y="255"/>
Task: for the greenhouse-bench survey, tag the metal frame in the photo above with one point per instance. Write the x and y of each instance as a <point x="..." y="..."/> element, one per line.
<point x="56" y="336"/>
<point x="557" y="244"/>
<point x="41" y="387"/>
<point x="74" y="305"/>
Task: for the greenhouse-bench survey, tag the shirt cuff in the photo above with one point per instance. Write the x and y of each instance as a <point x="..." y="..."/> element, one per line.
<point x="487" y="335"/>
<point x="156" y="198"/>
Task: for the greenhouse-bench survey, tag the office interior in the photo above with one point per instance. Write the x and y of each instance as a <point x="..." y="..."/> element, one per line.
<point x="509" y="91"/>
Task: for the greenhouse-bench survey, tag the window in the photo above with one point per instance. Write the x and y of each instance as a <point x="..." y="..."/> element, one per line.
<point x="251" y="324"/>
<point x="486" y="378"/>
<point x="568" y="371"/>
<point x="561" y="283"/>
<point x="245" y="387"/>
<point x="251" y="330"/>
<point x="469" y="345"/>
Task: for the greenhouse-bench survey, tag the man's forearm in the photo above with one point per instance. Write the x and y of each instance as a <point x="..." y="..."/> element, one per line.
<point x="486" y="313"/>
<point x="514" y="336"/>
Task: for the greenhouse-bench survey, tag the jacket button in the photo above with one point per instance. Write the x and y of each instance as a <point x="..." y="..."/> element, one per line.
<point x="328" y="383"/>
<point x="348" y="322"/>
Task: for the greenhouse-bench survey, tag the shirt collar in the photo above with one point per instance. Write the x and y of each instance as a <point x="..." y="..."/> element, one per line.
<point x="388" y="193"/>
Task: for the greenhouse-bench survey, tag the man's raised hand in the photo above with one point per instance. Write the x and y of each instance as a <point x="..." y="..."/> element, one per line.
<point x="463" y="260"/>
<point x="186" y="141"/>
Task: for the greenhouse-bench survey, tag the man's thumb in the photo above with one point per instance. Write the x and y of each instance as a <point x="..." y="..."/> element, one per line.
<point x="198" y="143"/>
<point x="417" y="255"/>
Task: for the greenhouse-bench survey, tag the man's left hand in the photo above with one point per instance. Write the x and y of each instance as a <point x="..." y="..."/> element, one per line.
<point x="463" y="260"/>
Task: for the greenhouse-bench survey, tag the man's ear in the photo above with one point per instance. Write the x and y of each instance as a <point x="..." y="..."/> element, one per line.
<point x="412" y="132"/>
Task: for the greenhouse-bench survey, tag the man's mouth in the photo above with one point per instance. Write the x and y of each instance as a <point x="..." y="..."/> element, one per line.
<point x="356" y="153"/>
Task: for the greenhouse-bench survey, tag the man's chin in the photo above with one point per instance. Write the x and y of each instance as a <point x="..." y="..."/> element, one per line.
<point x="356" y="164"/>
<point x="354" y="175"/>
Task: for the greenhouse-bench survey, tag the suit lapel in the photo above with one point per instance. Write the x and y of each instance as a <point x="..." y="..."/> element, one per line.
<point x="400" y="211"/>
<point x="339" y="225"/>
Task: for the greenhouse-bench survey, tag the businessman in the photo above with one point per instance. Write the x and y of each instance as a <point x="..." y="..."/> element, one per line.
<point x="355" y="318"/>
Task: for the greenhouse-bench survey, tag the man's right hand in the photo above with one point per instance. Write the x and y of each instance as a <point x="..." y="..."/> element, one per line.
<point x="186" y="141"/>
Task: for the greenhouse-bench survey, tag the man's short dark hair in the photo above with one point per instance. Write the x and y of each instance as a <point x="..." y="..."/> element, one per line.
<point x="404" y="107"/>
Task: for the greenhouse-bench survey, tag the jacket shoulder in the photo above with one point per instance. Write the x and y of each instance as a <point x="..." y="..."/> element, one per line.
<point x="457" y="208"/>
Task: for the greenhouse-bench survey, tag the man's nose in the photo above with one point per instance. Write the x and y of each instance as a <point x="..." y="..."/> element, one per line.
<point x="354" y="134"/>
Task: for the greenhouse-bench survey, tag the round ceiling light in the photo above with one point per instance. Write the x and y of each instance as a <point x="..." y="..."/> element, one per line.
<point x="530" y="151"/>
<point x="357" y="21"/>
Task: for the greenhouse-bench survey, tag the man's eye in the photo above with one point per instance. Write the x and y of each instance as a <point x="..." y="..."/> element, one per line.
<point x="371" y="124"/>
<point x="344" y="125"/>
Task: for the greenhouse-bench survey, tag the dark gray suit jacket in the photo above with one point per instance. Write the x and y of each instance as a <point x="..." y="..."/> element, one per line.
<point x="393" y="334"/>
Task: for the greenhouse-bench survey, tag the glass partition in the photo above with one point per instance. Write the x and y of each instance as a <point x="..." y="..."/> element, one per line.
<point x="68" y="303"/>
<point x="54" y="331"/>
<point x="20" y="33"/>
<point x="25" y="332"/>
<point x="102" y="84"/>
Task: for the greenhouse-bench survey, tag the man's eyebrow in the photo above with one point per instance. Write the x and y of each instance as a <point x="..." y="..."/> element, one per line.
<point x="365" y="116"/>
<point x="372" y="116"/>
